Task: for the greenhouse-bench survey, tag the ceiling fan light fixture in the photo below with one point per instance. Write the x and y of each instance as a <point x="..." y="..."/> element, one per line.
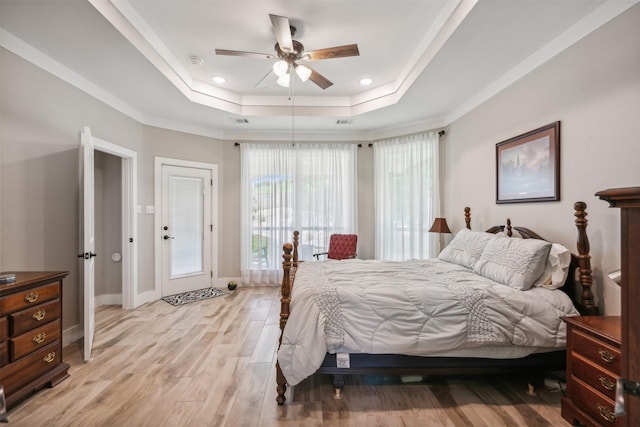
<point x="303" y="72"/>
<point x="284" y="80"/>
<point x="280" y="68"/>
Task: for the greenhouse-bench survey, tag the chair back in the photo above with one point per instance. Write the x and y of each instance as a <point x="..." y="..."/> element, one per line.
<point x="342" y="246"/>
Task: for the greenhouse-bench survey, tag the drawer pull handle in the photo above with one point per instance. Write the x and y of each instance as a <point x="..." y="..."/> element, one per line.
<point x="606" y="413"/>
<point x="31" y="297"/>
<point x="607" y="383"/>
<point x="606" y="356"/>
<point x="39" y="339"/>
<point x="39" y="315"/>
<point x="50" y="357"/>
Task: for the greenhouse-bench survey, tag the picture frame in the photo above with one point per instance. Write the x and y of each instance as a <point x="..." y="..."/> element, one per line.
<point x="528" y="166"/>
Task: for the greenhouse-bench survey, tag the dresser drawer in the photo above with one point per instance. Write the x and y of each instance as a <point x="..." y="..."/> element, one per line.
<point x="598" y="378"/>
<point x="32" y="340"/>
<point x="29" y="298"/>
<point x="29" y="368"/>
<point x="4" y="328"/>
<point x="595" y="404"/>
<point x="591" y="348"/>
<point x="4" y="353"/>
<point x="32" y="317"/>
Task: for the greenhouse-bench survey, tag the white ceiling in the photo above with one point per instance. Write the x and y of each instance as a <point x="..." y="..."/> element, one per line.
<point x="431" y="60"/>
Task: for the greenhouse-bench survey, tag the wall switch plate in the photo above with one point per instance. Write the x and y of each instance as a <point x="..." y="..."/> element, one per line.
<point x="151" y="209"/>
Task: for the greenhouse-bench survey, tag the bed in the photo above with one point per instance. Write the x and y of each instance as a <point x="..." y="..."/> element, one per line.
<point x="467" y="312"/>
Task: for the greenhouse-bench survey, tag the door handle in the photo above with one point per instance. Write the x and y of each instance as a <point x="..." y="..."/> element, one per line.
<point x="87" y="255"/>
<point x="165" y="237"/>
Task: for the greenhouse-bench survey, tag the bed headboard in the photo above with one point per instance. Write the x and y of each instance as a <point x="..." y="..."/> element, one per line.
<point x="580" y="267"/>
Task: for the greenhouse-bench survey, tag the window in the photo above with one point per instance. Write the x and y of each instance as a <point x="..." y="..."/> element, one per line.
<point x="406" y="196"/>
<point x="306" y="187"/>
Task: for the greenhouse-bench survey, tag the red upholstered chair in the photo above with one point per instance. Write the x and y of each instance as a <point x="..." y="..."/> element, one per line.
<point x="341" y="246"/>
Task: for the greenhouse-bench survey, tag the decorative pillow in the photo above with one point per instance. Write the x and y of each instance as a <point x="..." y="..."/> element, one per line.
<point x="466" y="247"/>
<point x="513" y="262"/>
<point x="556" y="268"/>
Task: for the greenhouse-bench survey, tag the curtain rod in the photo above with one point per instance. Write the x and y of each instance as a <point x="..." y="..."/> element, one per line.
<point x="237" y="144"/>
<point x="440" y="134"/>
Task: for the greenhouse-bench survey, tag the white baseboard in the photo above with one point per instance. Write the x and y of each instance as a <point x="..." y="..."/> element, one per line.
<point x="146" y="297"/>
<point x="72" y="334"/>
<point x="108" y="299"/>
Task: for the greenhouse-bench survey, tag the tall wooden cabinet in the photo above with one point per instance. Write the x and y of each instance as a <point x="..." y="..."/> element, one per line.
<point x="31" y="333"/>
<point x="628" y="200"/>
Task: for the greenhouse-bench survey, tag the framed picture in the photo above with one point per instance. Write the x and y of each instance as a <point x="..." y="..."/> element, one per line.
<point x="528" y="166"/>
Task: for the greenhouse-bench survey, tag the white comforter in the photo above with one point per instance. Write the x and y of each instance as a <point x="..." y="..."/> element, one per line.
<point x="417" y="307"/>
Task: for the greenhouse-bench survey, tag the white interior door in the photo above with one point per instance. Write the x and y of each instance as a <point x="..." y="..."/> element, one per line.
<point x="187" y="228"/>
<point x="87" y="249"/>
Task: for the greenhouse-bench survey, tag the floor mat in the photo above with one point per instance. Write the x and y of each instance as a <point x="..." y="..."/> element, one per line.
<point x="192" y="296"/>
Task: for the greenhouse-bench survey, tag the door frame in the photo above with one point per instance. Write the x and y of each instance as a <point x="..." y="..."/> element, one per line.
<point x="129" y="194"/>
<point x="213" y="168"/>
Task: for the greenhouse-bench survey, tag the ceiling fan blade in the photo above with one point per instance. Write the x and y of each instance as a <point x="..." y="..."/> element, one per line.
<point x="243" y="53"/>
<point x="282" y="31"/>
<point x="319" y="79"/>
<point x="332" y="52"/>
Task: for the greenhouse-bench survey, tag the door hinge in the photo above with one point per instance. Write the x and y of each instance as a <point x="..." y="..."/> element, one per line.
<point x="211" y="227"/>
<point x="212" y="274"/>
<point x="624" y="387"/>
<point x="212" y="182"/>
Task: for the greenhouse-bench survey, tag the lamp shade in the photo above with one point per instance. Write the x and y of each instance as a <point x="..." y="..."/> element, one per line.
<point x="280" y="68"/>
<point x="284" y="80"/>
<point x="439" y="226"/>
<point x="303" y="72"/>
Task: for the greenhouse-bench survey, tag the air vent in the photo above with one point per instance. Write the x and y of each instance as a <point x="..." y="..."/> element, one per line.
<point x="239" y="121"/>
<point x="344" y="121"/>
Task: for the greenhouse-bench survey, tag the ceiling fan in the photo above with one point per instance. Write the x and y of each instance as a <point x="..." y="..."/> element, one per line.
<point x="290" y="52"/>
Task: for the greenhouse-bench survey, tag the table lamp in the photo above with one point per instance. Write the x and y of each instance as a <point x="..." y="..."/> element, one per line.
<point x="439" y="226"/>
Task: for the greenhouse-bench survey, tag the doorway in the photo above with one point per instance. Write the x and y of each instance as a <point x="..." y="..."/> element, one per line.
<point x="186" y="225"/>
<point x="108" y="229"/>
<point x="89" y="145"/>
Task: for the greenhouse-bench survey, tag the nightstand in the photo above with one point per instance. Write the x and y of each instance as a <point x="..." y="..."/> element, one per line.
<point x="593" y="366"/>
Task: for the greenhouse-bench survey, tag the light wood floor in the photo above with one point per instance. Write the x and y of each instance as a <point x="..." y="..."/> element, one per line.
<point x="211" y="363"/>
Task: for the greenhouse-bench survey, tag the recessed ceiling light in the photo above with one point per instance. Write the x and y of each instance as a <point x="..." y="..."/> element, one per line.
<point x="218" y="79"/>
<point x="366" y="81"/>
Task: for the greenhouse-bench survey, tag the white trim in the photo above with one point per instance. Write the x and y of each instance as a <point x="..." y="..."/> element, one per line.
<point x="108" y="299"/>
<point x="45" y="62"/>
<point x="72" y="334"/>
<point x="157" y="227"/>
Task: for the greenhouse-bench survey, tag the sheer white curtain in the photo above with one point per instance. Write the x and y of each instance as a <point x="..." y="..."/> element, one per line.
<point x="407" y="196"/>
<point x="306" y="187"/>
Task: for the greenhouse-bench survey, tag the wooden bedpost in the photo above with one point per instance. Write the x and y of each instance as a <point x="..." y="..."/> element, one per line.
<point x="467" y="217"/>
<point x="296" y="238"/>
<point x="509" y="228"/>
<point x="584" y="261"/>
<point x="285" y="301"/>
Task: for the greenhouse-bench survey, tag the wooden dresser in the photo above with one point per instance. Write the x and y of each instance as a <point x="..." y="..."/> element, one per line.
<point x="593" y="366"/>
<point x="31" y="333"/>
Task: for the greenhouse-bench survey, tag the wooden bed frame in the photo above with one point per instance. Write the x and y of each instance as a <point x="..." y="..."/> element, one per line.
<point x="394" y="364"/>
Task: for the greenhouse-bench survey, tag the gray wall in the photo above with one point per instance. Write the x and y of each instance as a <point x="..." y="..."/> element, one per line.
<point x="593" y="88"/>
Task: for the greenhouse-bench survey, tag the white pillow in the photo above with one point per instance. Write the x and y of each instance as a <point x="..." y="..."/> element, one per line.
<point x="556" y="268"/>
<point x="466" y="247"/>
<point x="516" y="263"/>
